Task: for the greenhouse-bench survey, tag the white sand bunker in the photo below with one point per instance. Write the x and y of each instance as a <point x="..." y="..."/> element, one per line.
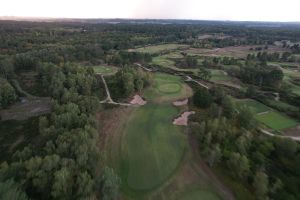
<point x="181" y="103"/>
<point x="183" y="119"/>
<point x="138" y="100"/>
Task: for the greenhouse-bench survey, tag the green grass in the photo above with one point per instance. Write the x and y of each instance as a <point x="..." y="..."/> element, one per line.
<point x="277" y="121"/>
<point x="164" y="61"/>
<point x="198" y="194"/>
<point x="105" y="70"/>
<point x="159" y="48"/>
<point x="218" y="75"/>
<point x="153" y="147"/>
<point x="166" y="88"/>
<point x="255" y="106"/>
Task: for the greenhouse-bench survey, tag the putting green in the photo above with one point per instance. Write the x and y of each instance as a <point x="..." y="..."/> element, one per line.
<point x="167" y="88"/>
<point x="152" y="147"/>
<point x="198" y="194"/>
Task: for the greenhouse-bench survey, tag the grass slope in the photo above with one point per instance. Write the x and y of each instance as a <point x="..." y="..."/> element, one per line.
<point x="153" y="147"/>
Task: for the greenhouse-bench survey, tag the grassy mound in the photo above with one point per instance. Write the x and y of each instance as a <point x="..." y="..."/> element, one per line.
<point x="152" y="147"/>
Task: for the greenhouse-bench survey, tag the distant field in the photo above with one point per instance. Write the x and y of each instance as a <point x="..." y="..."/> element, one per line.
<point x="277" y="121"/>
<point x="167" y="88"/>
<point x="105" y="70"/>
<point x="158" y="48"/>
<point x="163" y="61"/>
<point x="236" y="51"/>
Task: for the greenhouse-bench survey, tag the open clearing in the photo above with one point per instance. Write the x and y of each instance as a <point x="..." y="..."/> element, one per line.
<point x="218" y="75"/>
<point x="277" y="121"/>
<point x="255" y="106"/>
<point x="105" y="70"/>
<point x="167" y="88"/>
<point x="272" y="119"/>
<point x="159" y="48"/>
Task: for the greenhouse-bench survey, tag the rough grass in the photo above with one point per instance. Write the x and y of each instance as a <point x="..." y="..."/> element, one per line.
<point x="218" y="75"/>
<point x="167" y="88"/>
<point x="277" y="121"/>
<point x="159" y="48"/>
<point x="105" y="70"/>
<point x="164" y="61"/>
<point x="255" y="106"/>
<point x="152" y="147"/>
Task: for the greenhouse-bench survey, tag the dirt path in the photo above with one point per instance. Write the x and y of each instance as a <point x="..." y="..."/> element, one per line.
<point x="141" y="66"/>
<point x="296" y="138"/>
<point x="189" y="79"/>
<point x="202" y="166"/>
<point x="108" y="99"/>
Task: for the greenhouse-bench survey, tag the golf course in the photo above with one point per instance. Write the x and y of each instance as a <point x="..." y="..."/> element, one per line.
<point x="150" y="154"/>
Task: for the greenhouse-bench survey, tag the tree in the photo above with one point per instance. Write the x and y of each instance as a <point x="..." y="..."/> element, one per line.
<point x="63" y="182"/>
<point x="110" y="184"/>
<point x="245" y="118"/>
<point x="228" y="107"/>
<point x="202" y="98"/>
<point x="239" y="165"/>
<point x="204" y="74"/>
<point x="11" y="190"/>
<point x="7" y="94"/>
<point x="261" y="184"/>
<point x="214" y="155"/>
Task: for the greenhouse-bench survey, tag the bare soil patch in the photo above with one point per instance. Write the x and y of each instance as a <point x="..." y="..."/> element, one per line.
<point x="138" y="100"/>
<point x="27" y="108"/>
<point x="183" y="119"/>
<point x="295" y="132"/>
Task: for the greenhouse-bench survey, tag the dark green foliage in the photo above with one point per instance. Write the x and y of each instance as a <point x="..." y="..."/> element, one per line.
<point x="202" y="98"/>
<point x="7" y="94"/>
<point x="11" y="191"/>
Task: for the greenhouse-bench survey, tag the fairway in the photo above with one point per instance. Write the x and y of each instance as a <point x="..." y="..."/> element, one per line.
<point x="105" y="70"/>
<point x="167" y="88"/>
<point x="166" y="62"/>
<point x="152" y="147"/>
<point x="198" y="194"/>
<point x="277" y="121"/>
<point x="255" y="106"/>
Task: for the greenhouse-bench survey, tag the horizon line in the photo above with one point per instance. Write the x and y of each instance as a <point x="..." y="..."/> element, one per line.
<point x="129" y="18"/>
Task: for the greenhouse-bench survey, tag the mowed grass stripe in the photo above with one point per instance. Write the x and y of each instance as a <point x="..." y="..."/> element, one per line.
<point x="154" y="147"/>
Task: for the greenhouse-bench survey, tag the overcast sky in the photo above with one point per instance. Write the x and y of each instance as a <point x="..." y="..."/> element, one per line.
<point x="243" y="10"/>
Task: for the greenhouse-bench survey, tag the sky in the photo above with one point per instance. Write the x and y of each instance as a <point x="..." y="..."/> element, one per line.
<point x="236" y="10"/>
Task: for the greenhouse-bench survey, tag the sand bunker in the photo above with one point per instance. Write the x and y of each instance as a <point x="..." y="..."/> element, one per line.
<point x="138" y="100"/>
<point x="183" y="119"/>
<point x="181" y="103"/>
